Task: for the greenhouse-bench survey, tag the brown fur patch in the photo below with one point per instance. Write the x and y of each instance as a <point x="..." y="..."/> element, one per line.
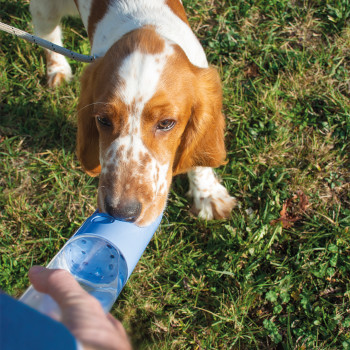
<point x="194" y="100"/>
<point x="56" y="80"/>
<point x="202" y="142"/>
<point x="221" y="209"/>
<point x="145" y="39"/>
<point x="178" y="9"/>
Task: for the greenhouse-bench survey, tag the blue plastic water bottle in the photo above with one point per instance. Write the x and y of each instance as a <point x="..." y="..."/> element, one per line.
<point x="101" y="256"/>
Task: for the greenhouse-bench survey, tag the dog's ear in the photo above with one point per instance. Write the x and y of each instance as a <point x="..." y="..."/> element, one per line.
<point x="87" y="136"/>
<point x="202" y="143"/>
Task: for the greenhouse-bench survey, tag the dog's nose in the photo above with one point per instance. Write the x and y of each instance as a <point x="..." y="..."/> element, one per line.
<point x="126" y="210"/>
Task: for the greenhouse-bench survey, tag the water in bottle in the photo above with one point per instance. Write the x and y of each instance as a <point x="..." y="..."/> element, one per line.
<point x="101" y="256"/>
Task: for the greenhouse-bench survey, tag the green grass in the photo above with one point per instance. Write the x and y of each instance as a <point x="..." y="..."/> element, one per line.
<point x="236" y="284"/>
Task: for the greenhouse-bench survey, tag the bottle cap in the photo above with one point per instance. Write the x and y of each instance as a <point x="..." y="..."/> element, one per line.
<point x="129" y="238"/>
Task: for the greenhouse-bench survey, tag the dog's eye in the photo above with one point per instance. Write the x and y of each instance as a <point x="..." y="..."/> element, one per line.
<point x="166" y="124"/>
<point x="103" y="120"/>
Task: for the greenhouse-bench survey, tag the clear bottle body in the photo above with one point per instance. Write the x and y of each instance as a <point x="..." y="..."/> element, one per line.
<point x="96" y="264"/>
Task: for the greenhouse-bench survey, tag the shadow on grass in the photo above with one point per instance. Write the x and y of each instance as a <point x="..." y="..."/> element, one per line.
<point x="42" y="127"/>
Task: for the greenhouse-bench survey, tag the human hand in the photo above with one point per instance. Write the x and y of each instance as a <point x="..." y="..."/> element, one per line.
<point x="82" y="314"/>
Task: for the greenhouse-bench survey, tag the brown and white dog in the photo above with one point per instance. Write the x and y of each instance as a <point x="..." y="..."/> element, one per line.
<point x="150" y="107"/>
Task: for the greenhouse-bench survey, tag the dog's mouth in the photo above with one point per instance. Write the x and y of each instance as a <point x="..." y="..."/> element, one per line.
<point x="134" y="212"/>
<point x="126" y="209"/>
<point x="140" y="207"/>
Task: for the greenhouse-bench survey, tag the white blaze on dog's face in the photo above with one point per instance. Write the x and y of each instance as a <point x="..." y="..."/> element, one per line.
<point x="136" y="103"/>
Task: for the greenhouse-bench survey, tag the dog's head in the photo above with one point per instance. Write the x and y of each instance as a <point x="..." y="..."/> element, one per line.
<point x="145" y="114"/>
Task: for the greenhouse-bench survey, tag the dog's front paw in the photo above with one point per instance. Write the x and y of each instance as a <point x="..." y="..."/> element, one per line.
<point x="211" y="204"/>
<point x="210" y="199"/>
<point x="58" y="70"/>
<point x="56" y="79"/>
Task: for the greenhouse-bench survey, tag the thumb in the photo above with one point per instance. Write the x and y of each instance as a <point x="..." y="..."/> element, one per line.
<point x="59" y="284"/>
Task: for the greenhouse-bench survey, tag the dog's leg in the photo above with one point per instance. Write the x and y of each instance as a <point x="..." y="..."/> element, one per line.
<point x="210" y="199"/>
<point x="46" y="16"/>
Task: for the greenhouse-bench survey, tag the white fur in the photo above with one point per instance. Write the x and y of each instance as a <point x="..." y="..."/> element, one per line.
<point x="207" y="191"/>
<point x="84" y="10"/>
<point x="140" y="73"/>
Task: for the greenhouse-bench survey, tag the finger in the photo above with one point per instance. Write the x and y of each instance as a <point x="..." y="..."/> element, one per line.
<point x="116" y="323"/>
<point x="118" y="326"/>
<point x="59" y="284"/>
<point x="125" y="344"/>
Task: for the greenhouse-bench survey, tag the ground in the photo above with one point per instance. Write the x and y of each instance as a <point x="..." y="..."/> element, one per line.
<point x="274" y="276"/>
